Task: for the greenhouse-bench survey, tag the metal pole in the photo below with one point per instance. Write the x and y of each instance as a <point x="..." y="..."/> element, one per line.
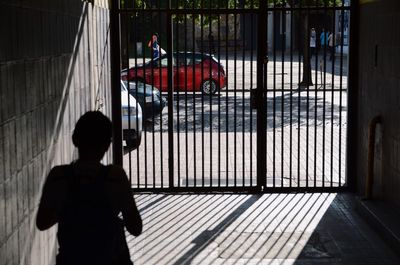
<point x="170" y="98"/>
<point x="261" y="112"/>
<point x="351" y="156"/>
<point x="115" y="81"/>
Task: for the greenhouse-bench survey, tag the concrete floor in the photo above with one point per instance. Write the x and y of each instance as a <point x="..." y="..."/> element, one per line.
<point x="255" y="229"/>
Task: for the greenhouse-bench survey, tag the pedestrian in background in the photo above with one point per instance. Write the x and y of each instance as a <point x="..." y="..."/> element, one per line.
<point x="153" y="44"/>
<point x="323" y="39"/>
<point x="331" y="44"/>
<point x="313" y="41"/>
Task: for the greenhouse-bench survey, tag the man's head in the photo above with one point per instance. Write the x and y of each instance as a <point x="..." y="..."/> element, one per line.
<point x="92" y="134"/>
<point x="154" y="37"/>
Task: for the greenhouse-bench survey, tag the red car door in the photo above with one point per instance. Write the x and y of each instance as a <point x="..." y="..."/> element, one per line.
<point x="160" y="74"/>
<point x="182" y="74"/>
<point x="157" y="74"/>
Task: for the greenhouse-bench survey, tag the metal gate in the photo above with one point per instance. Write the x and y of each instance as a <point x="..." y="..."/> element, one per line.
<point x="243" y="96"/>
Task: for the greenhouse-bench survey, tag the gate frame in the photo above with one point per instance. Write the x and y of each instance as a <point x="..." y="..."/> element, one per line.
<point x="262" y="11"/>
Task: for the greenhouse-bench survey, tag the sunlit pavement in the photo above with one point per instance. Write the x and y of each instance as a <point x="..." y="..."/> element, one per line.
<point x="218" y="138"/>
<point x="255" y="229"/>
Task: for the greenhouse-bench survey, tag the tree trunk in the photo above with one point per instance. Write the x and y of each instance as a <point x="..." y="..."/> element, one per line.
<point x="307" y="79"/>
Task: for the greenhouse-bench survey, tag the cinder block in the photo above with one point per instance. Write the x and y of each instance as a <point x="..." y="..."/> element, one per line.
<point x="23" y="238"/>
<point x="41" y="82"/>
<point x="19" y="198"/>
<point x="39" y="129"/>
<point x="34" y="133"/>
<point x="31" y="194"/>
<point x="23" y="140"/>
<point x="12" y="141"/>
<point x="13" y="202"/>
<point x="9" y="251"/>
<point x="24" y="190"/>
<point x="2" y="156"/>
<point x="28" y="86"/>
<point x="36" y="34"/>
<point x="4" y="89"/>
<point x="20" y="87"/>
<point x="18" y="144"/>
<point x="8" y="207"/>
<point x="2" y="214"/>
<point x="45" y="80"/>
<point x="10" y="18"/>
<point x="7" y="152"/>
<point x="3" y="253"/>
<point x="15" y="249"/>
<point x="10" y="92"/>
<point x="2" y="96"/>
<point x="4" y="33"/>
<point x="29" y="136"/>
<point x="35" y="181"/>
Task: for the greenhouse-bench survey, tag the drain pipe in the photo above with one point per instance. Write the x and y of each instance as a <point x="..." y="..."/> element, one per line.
<point x="371" y="156"/>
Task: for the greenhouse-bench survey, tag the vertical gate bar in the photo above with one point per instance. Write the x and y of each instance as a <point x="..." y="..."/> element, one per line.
<point x="341" y="89"/>
<point x="210" y="46"/>
<point x="137" y="123"/>
<point x="265" y="90"/>
<point x="282" y="94"/>
<point x="261" y="110"/>
<point x="274" y="101"/>
<point x="315" y="108"/>
<point x="161" y="115"/>
<point x="152" y="129"/>
<point x="194" y="99"/>
<point x="219" y="100"/>
<point x="299" y="106"/>
<point x="332" y="55"/>
<point x="243" y="97"/>
<point x="324" y="76"/>
<point x="186" y="101"/>
<point x="291" y="100"/>
<point x="227" y="96"/>
<point x="202" y="94"/>
<point x="178" y="59"/>
<point x="145" y="135"/>
<point x="306" y="53"/>
<point x="324" y="97"/>
<point x="129" y="104"/>
<point x="235" y="95"/>
<point x="170" y="98"/>
<point x="115" y="59"/>
<point x="251" y="89"/>
<point x="350" y="131"/>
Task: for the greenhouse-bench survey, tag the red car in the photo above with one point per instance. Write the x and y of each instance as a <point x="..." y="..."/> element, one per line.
<point x="192" y="72"/>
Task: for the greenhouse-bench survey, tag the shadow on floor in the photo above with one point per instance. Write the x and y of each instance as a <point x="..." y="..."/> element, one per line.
<point x="256" y="229"/>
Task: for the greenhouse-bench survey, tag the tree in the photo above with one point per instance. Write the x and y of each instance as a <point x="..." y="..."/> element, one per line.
<point x="304" y="20"/>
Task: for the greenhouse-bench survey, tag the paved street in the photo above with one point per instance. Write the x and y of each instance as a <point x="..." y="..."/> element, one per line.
<point x="215" y="137"/>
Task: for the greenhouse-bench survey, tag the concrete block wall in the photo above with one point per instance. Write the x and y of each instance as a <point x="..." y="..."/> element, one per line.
<point x="54" y="66"/>
<point x="379" y="91"/>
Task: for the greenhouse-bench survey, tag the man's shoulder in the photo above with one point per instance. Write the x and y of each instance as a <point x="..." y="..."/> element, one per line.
<point x="116" y="172"/>
<point x="58" y="173"/>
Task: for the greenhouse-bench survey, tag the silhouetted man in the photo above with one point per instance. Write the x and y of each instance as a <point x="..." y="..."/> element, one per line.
<point x="85" y="199"/>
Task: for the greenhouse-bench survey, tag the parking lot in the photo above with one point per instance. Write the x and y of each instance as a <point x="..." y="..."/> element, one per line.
<point x="215" y="137"/>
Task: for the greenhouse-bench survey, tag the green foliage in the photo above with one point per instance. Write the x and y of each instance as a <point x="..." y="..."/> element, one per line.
<point x="198" y="4"/>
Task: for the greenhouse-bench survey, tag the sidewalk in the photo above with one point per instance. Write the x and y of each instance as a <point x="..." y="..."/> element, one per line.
<point x="255" y="229"/>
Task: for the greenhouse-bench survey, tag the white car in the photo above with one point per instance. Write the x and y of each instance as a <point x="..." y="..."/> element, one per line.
<point x="132" y="119"/>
